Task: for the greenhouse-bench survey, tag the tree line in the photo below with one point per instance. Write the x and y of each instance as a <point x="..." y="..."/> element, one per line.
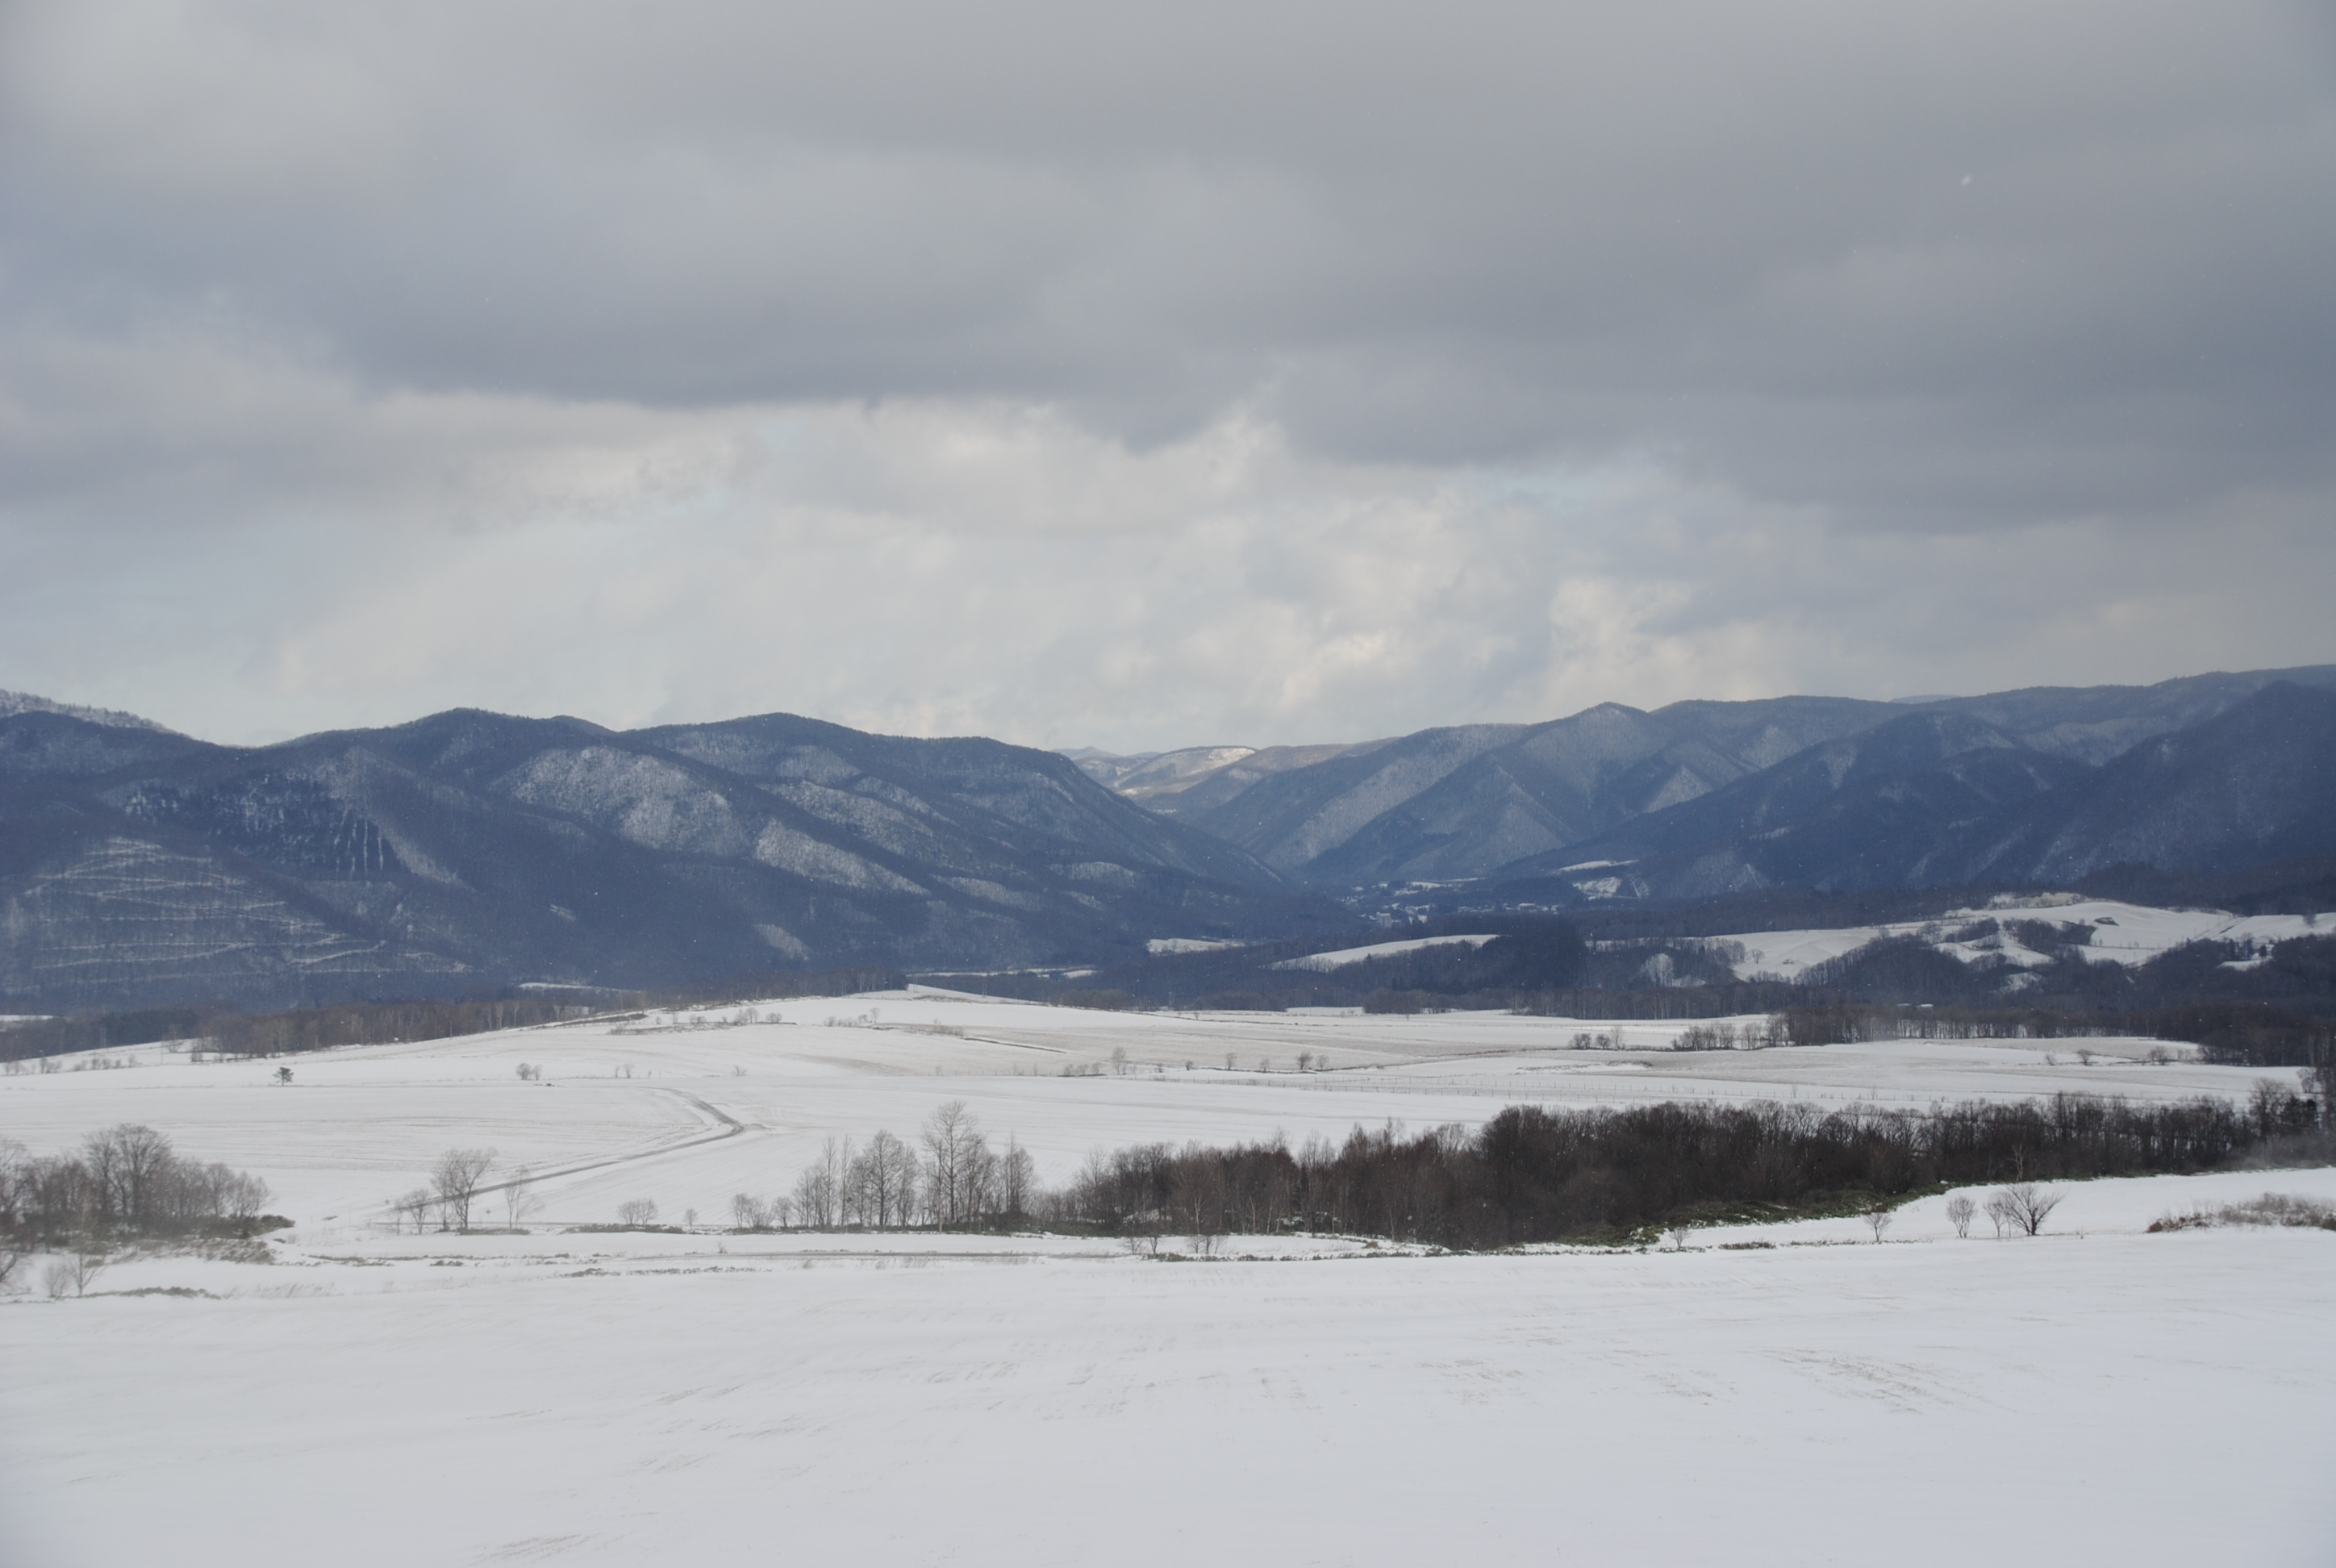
<point x="377" y="1023"/>
<point x="2230" y="1034"/>
<point x="122" y="1183"/>
<point x="299" y="1029"/>
<point x="1534" y="1174"/>
<point x="233" y="1033"/>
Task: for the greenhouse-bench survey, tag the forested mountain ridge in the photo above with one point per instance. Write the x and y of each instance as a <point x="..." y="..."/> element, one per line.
<point x="1942" y="798"/>
<point x="473" y="849"/>
<point x="1852" y="792"/>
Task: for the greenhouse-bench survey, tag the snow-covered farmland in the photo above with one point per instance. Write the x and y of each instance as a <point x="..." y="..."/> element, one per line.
<point x="689" y="1108"/>
<point x="2094" y="1394"/>
<point x="2122" y="934"/>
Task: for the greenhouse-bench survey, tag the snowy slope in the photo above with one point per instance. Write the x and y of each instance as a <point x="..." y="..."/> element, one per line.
<point x="1342" y="958"/>
<point x="2123" y="933"/>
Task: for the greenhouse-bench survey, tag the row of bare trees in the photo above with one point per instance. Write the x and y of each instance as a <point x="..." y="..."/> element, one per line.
<point x="2018" y="1209"/>
<point x="125" y="1181"/>
<point x="951" y="1176"/>
<point x="457" y="1191"/>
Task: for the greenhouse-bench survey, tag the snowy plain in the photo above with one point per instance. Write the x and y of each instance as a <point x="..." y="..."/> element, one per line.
<point x="688" y="1107"/>
<point x="1780" y="1394"/>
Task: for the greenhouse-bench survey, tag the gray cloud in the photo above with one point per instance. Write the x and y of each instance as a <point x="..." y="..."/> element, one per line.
<point x="1340" y="367"/>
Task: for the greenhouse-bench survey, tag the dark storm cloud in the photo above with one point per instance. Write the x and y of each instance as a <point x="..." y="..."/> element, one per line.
<point x="2001" y="260"/>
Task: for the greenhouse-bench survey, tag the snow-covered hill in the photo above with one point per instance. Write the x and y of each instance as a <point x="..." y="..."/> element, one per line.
<point x="2107" y="932"/>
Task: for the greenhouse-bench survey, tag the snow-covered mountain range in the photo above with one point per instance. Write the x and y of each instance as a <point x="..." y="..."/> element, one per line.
<point x="2048" y="784"/>
<point x="473" y="849"/>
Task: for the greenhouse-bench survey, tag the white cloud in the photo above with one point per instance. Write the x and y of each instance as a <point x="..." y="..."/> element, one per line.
<point x="953" y="567"/>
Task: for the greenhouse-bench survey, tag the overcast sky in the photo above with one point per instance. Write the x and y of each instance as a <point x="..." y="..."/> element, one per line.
<point x="1145" y="375"/>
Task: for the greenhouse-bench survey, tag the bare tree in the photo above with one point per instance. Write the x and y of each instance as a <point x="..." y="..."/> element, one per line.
<point x="124" y="1163"/>
<point x="1140" y="1233"/>
<point x="9" y="1258"/>
<point x="821" y="1191"/>
<point x="884" y="1179"/>
<point x="817" y="1201"/>
<point x="636" y="1212"/>
<point x="1877" y="1219"/>
<point x="2026" y="1205"/>
<point x="863" y="1195"/>
<point x="979" y="1163"/>
<point x="418" y="1204"/>
<point x="1960" y="1212"/>
<point x="746" y="1213"/>
<point x="456" y="1178"/>
<point x="947" y="1135"/>
<point x="1018" y="1179"/>
<point x="16" y="1175"/>
<point x="242" y="1196"/>
<point x="1998" y="1210"/>
<point x="908" y="1180"/>
<point x="518" y="1196"/>
<point x="835" y="1155"/>
<point x="1197" y="1199"/>
<point x="71" y="1274"/>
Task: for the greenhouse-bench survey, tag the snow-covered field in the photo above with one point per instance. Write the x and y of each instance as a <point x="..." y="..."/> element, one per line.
<point x="2094" y="1394"/>
<point x="685" y="1111"/>
<point x="2123" y="933"/>
<point x="2080" y="1398"/>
